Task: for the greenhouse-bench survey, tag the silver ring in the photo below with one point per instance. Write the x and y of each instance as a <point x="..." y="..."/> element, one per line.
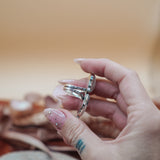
<point x="74" y="91"/>
<point x="81" y="93"/>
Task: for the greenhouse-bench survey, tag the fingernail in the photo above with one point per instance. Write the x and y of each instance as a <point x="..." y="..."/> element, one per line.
<point x="52" y="102"/>
<point x="79" y="60"/>
<point x="59" y="92"/>
<point x="64" y="81"/>
<point x="56" y="117"/>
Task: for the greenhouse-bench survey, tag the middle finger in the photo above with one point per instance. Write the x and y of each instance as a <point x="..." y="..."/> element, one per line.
<point x="104" y="88"/>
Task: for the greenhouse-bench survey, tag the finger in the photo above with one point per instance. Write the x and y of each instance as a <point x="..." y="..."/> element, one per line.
<point x="96" y="107"/>
<point x="101" y="108"/>
<point x="129" y="83"/>
<point x="73" y="131"/>
<point x="108" y="110"/>
<point x="50" y="102"/>
<point x="104" y="68"/>
<point x="103" y="88"/>
<point x="64" y="98"/>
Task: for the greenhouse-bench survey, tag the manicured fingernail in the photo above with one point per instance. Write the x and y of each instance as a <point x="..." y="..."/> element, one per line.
<point x="59" y="93"/>
<point x="56" y="117"/>
<point x="79" y="60"/>
<point x="52" y="102"/>
<point x="64" y="81"/>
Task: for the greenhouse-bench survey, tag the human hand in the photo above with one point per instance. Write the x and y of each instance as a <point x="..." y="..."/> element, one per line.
<point x="133" y="112"/>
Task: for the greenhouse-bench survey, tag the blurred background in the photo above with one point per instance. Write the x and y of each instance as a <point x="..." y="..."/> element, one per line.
<point x="40" y="38"/>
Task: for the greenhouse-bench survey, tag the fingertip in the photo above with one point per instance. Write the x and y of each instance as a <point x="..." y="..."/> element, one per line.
<point x="57" y="117"/>
<point x="65" y="81"/>
<point x="79" y="60"/>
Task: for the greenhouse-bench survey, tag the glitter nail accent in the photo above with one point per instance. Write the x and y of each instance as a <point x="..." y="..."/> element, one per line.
<point x="56" y="117"/>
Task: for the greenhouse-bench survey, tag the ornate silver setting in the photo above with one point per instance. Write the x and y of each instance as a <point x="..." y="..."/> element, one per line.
<point x="81" y="93"/>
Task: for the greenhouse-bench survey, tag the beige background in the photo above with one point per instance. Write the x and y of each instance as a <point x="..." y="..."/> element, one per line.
<point x="40" y="38"/>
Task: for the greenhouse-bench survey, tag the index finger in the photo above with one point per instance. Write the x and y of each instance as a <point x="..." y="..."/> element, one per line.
<point x="104" y="68"/>
<point x="129" y="83"/>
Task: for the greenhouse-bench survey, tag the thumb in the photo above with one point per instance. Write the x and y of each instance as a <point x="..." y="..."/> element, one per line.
<point x="74" y="131"/>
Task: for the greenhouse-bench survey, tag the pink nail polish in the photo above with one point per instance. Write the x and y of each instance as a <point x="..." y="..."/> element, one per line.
<point x="64" y="81"/>
<point x="56" y="117"/>
<point x="52" y="102"/>
<point x="60" y="95"/>
<point x="78" y="60"/>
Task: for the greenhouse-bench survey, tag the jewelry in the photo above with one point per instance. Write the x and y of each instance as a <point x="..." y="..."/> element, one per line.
<point x="81" y="93"/>
<point x="75" y="91"/>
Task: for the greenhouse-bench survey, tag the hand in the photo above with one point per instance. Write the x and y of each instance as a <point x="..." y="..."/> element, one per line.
<point x="133" y="112"/>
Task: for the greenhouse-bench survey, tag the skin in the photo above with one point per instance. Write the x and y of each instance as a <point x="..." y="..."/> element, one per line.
<point x="133" y="112"/>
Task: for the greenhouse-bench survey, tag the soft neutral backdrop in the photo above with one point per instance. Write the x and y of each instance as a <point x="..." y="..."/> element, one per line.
<point x="39" y="40"/>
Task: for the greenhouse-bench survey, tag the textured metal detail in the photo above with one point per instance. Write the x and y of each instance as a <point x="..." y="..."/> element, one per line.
<point x="81" y="93"/>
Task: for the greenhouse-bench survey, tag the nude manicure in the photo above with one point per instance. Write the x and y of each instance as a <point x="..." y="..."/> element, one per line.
<point x="64" y="81"/>
<point x="59" y="92"/>
<point x="79" y="60"/>
<point x="56" y="117"/>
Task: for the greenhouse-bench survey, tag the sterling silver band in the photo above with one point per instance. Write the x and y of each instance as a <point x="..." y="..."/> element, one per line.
<point x="74" y="91"/>
<point x="81" y="93"/>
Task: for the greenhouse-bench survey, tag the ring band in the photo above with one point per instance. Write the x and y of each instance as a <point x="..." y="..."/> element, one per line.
<point x="74" y="91"/>
<point x="81" y="93"/>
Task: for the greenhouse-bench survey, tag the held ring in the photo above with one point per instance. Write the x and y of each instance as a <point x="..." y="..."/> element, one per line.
<point x="81" y="93"/>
